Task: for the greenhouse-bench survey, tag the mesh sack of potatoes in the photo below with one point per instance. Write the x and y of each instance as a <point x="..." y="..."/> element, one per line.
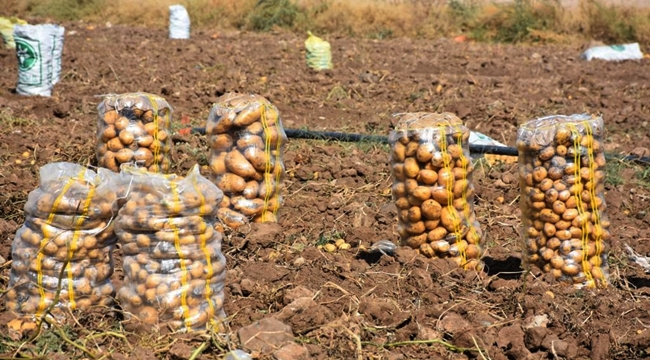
<point x="66" y="242"/>
<point x="134" y="127"/>
<point x="432" y="187"/>
<point x="561" y="173"/>
<point x="174" y="271"/>
<point x="246" y="139"/>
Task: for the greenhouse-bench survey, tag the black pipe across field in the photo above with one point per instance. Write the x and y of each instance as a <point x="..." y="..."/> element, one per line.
<point x="473" y="148"/>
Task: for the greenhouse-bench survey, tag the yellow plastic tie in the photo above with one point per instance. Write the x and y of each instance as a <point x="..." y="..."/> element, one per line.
<point x="592" y="194"/>
<point x="156" y="125"/>
<point x="464" y="163"/>
<point x="267" y="162"/>
<point x="47" y="237"/>
<point x="177" y="245"/>
<point x="579" y="204"/>
<point x="203" y="243"/>
<point x="72" y="247"/>
<point x="450" y="195"/>
<point x="278" y="161"/>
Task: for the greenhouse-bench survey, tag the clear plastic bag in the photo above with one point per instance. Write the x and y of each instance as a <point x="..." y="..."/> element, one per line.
<point x="561" y="173"/>
<point x="174" y="271"/>
<point x="247" y="140"/>
<point x="432" y="187"/>
<point x="67" y="230"/>
<point x="134" y="127"/>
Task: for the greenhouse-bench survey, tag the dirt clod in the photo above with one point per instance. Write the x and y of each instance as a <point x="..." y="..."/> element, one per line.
<point x="265" y="335"/>
<point x="293" y="294"/>
<point x="291" y="351"/>
<point x="247" y="287"/>
<point x="181" y="350"/>
<point x="511" y="340"/>
<point x="600" y="347"/>
<point x="427" y="333"/>
<point x="535" y="336"/>
<point x="265" y="234"/>
<point x="304" y="315"/>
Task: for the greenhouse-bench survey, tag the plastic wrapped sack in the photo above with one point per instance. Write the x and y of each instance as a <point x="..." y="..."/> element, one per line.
<point x="432" y="188"/>
<point x="67" y="227"/>
<point x="134" y="128"/>
<point x="174" y="271"/>
<point x="246" y="138"/>
<point x="7" y="30"/>
<point x="562" y="173"/>
<point x="179" y="22"/>
<point x="614" y="52"/>
<point x="319" y="54"/>
<point x="39" y="51"/>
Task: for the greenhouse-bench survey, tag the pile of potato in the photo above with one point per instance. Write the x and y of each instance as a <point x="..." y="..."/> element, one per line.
<point x="246" y="139"/>
<point x="67" y="224"/>
<point x="432" y="187"/>
<point x="562" y="170"/>
<point x="134" y="127"/>
<point x="174" y="271"/>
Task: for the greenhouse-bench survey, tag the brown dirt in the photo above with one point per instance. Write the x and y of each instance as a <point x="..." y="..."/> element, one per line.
<point x="364" y="306"/>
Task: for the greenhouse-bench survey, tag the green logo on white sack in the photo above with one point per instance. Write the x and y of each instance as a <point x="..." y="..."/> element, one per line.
<point x="27" y="55"/>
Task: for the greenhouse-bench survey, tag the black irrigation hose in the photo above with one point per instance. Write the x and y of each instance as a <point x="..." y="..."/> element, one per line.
<point x="473" y="148"/>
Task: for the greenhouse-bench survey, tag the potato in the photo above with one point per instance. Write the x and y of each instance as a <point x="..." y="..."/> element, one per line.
<point x="143" y="156"/>
<point x="398" y="152"/>
<point x="402" y="203"/>
<point x="411" y="168"/>
<point x="425" y="152"/>
<point x="124" y="155"/>
<point x="460" y="188"/>
<point x="108" y="133"/>
<point x="110" y="117"/>
<point x="445" y="177"/>
<point x="218" y="164"/>
<point x="258" y="158"/>
<point x="427" y="177"/>
<point x="450" y="218"/>
<point x="415" y="241"/>
<point x="431" y="209"/>
<point x="114" y="145"/>
<point x="237" y="164"/>
<point x="248" y="207"/>
<point x="109" y="161"/>
<point x="454" y="151"/>
<point x="411" y="149"/>
<point x="268" y="187"/>
<point x="440" y="194"/>
<point x="250" y="141"/>
<point x="126" y="137"/>
<point x="416" y="228"/>
<point x="421" y="193"/>
<point x="145" y="141"/>
<point x="231" y="183"/>
<point x="121" y="123"/>
<point x="398" y="172"/>
<point x="251" y="190"/>
<point x="221" y="142"/>
<point x="151" y="129"/>
<point x="162" y="135"/>
<point x="248" y="116"/>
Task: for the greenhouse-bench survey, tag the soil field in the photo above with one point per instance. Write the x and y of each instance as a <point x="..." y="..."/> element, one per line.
<point x="352" y="304"/>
